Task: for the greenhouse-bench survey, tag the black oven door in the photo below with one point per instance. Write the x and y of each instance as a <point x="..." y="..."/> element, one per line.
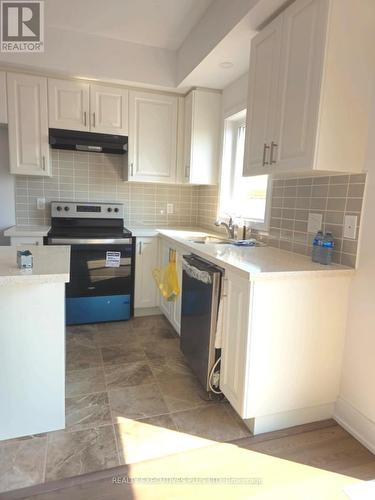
<point x="100" y="269"/>
<point x="101" y="286"/>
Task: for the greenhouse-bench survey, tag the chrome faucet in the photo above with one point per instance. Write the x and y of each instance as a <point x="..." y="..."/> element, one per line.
<point x="229" y="226"/>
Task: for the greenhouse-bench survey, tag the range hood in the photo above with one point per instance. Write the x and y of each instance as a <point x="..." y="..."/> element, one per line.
<point x="87" y="141"/>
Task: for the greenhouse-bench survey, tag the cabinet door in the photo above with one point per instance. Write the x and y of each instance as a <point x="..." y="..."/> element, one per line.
<point x="109" y="110"/>
<point x="176" y="305"/>
<point x="68" y="104"/>
<point x="188" y="122"/>
<point x="165" y="306"/>
<point x="152" y="137"/>
<point x="28" y="125"/>
<point x="304" y="32"/>
<point x="3" y="98"/>
<point x="234" y="341"/>
<point x="146" y="261"/>
<point x="262" y="95"/>
<point x="202" y="137"/>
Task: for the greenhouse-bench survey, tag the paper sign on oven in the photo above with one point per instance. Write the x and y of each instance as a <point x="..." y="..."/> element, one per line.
<point x="112" y="259"/>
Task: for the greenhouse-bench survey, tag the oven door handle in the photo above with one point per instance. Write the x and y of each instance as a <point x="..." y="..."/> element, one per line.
<point x="89" y="241"/>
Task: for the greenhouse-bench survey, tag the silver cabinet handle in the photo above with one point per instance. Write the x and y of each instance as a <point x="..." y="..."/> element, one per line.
<point x="85" y="118"/>
<point x="187" y="171"/>
<point x="140" y="248"/>
<point x="265" y="149"/>
<point x="93" y="119"/>
<point x="131" y="169"/>
<point x="44" y="162"/>
<point x="273" y="146"/>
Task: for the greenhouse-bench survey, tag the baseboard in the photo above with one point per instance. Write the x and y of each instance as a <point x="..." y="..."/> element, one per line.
<point x="146" y="311"/>
<point x="355" y="423"/>
<point x="283" y="420"/>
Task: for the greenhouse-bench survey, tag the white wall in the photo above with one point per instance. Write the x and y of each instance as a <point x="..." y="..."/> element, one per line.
<point x="7" y="199"/>
<point x="356" y="407"/>
<point x="82" y="55"/>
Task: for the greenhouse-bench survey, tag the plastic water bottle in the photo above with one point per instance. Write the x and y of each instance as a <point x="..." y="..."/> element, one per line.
<point x="317" y="246"/>
<point x="327" y="249"/>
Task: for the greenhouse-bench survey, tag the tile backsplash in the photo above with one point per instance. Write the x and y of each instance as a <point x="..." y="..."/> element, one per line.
<point x="98" y="177"/>
<point x="331" y="196"/>
<point x="292" y="200"/>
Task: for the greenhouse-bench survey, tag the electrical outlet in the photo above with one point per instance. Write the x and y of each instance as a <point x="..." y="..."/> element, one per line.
<point x="315" y="223"/>
<point x="170" y="208"/>
<point x="350" y="226"/>
<point x="40" y="203"/>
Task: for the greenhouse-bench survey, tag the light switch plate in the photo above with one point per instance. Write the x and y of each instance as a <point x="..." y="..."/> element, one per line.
<point x="350" y="226"/>
<point x="314" y="223"/>
<point x="40" y="203"/>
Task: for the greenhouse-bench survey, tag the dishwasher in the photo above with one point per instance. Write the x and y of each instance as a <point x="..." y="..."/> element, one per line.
<point x="201" y="290"/>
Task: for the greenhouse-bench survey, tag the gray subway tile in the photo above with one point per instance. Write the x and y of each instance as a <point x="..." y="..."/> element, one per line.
<point x="320" y="180"/>
<point x="336" y="204"/>
<point x="356" y="190"/>
<point x="354" y="178"/>
<point x="334" y="217"/>
<point x="339" y="179"/>
<point x="318" y="203"/>
<point x="348" y="260"/>
<point x="319" y="191"/>
<point x="350" y="246"/>
<point x="354" y="204"/>
<point x="338" y="191"/>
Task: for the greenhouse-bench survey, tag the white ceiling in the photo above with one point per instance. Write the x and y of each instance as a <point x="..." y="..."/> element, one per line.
<point x="156" y="23"/>
<point x="235" y="49"/>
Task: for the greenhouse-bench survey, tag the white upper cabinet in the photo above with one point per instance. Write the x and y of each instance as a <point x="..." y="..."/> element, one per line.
<point x="263" y="78"/>
<point x="304" y="31"/>
<point x="109" y="109"/>
<point x="3" y="98"/>
<point x="28" y="124"/>
<point x="75" y="105"/>
<point x="202" y="129"/>
<point x="318" y="122"/>
<point x="68" y="104"/>
<point x="152" y="137"/>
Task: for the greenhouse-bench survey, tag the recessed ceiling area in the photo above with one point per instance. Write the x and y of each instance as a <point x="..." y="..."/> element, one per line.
<point x="155" y="23"/>
<point x="163" y="44"/>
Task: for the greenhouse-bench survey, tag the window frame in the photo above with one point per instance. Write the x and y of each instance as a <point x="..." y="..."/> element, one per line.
<point x="233" y="119"/>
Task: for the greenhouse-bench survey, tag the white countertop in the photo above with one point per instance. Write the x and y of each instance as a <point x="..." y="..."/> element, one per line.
<point x="253" y="262"/>
<point x="51" y="265"/>
<point x="37" y="231"/>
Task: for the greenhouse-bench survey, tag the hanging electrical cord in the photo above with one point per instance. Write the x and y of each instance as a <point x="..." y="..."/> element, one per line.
<point x="215" y="391"/>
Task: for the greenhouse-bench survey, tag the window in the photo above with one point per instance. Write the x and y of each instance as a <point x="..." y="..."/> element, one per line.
<point x="242" y="197"/>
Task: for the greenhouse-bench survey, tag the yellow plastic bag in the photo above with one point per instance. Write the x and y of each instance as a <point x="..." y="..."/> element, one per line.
<point x="166" y="279"/>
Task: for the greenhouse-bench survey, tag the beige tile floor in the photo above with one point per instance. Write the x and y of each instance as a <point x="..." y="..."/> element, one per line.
<point x="130" y="396"/>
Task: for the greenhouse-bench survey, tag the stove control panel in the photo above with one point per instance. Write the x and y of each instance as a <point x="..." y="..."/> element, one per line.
<point x="87" y="210"/>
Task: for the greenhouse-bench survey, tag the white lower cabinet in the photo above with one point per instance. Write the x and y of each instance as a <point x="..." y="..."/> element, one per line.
<point x="146" y="260"/>
<point x="172" y="310"/>
<point x="236" y="305"/>
<point x="282" y="348"/>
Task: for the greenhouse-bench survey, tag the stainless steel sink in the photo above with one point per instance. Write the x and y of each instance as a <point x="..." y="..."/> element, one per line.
<point x="204" y="240"/>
